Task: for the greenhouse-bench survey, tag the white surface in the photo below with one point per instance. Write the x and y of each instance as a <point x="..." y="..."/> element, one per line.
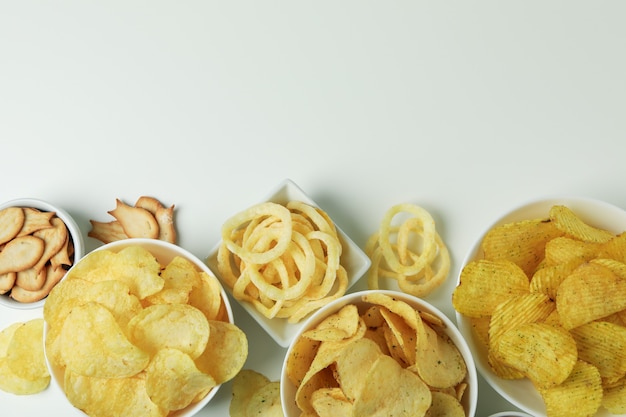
<point x="597" y="213"/>
<point x="465" y="108"/>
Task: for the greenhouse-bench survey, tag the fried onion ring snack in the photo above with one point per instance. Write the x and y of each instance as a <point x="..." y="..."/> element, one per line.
<point x="283" y="259"/>
<point x="408" y="249"/>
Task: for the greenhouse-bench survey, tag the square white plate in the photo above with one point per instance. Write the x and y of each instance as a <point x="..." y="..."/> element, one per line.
<point x="353" y="259"/>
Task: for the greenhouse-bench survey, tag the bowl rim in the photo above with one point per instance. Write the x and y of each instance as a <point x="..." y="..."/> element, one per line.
<point x="72" y="227"/>
<point x="536" y="208"/>
<point x="356" y="297"/>
<point x="116" y="246"/>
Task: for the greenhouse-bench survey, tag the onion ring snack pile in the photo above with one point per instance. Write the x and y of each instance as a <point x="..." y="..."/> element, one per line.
<point x="283" y="259"/>
<point x="408" y="249"/>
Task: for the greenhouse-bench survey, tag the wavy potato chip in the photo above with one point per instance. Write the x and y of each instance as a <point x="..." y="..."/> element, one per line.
<point x="569" y="223"/>
<point x="543" y="353"/>
<point x="579" y="395"/>
<point x="603" y="345"/>
<point x="484" y="284"/>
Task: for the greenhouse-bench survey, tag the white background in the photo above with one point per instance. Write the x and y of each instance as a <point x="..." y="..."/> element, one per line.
<point x="464" y="108"/>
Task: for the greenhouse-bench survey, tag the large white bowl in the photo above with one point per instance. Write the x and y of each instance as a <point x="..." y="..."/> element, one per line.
<point x="521" y="393"/>
<point x="353" y="259"/>
<point x="470" y="399"/>
<point x="72" y="227"/>
<point x="164" y="252"/>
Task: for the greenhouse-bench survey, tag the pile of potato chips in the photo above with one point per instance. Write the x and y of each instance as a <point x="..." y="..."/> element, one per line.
<point x="381" y="358"/>
<point x="548" y="301"/>
<point x="283" y="259"/>
<point x="129" y="336"/>
<point x="23" y="369"/>
<point x="408" y="249"/>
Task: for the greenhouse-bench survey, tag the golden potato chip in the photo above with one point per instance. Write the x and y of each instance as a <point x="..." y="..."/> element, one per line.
<point x="206" y="296"/>
<point x="579" y="395"/>
<point x="391" y="390"/>
<point x="522" y="242"/>
<point x="547" y="279"/>
<point x="331" y="402"/>
<point x="603" y="345"/>
<point x="565" y="250"/>
<point x="445" y="405"/>
<point x="23" y="369"/>
<point x="484" y="284"/>
<point x="93" y="396"/>
<point x="353" y="365"/>
<point x="245" y="384"/>
<point x="398" y="307"/>
<point x="225" y="353"/>
<point x="590" y="292"/>
<point x="93" y="344"/>
<point x="177" y="326"/>
<point x="614" y="398"/>
<point x="25" y="354"/>
<point x="336" y="327"/>
<point x="266" y="401"/>
<point x="438" y="361"/>
<point x="545" y="354"/>
<point x="569" y="223"/>
<point x="173" y="381"/>
<point x="405" y="336"/>
<point x="180" y="276"/>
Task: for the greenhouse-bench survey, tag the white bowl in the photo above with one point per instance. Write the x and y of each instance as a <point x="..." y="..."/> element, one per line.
<point x="521" y="393"/>
<point x="353" y="259"/>
<point x="72" y="227"/>
<point x="470" y="399"/>
<point x="164" y="252"/>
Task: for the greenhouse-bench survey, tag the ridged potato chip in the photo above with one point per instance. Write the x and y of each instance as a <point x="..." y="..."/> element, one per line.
<point x="543" y="353"/>
<point x="579" y="395"/>
<point x="603" y="345"/>
<point x="484" y="284"/>
<point x="569" y="223"/>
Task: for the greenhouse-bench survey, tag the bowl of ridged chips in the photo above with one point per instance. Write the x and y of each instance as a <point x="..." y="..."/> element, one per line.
<point x="378" y="353"/>
<point x="541" y="301"/>
<point x="141" y="327"/>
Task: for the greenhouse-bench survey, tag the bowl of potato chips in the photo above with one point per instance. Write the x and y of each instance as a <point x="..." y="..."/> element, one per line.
<point x="40" y="242"/>
<point x="379" y="353"/>
<point x="143" y="322"/>
<point x="284" y="258"/>
<point x="541" y="301"/>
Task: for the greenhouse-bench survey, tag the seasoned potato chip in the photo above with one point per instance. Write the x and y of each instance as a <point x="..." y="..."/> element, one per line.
<point x="614" y="398"/>
<point x="485" y="284"/>
<point x="579" y="395"/>
<point x="545" y="354"/>
<point x="569" y="223"/>
<point x="445" y="405"/>
<point x="266" y="401"/>
<point x="590" y="292"/>
<point x="245" y="384"/>
<point x="522" y="242"/>
<point x="603" y="345"/>
<point x="331" y="402"/>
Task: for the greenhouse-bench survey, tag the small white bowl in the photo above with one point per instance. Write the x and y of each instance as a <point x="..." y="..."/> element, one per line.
<point x="353" y="259"/>
<point x="72" y="227"/>
<point x="164" y="252"/>
<point x="521" y="393"/>
<point x="470" y="399"/>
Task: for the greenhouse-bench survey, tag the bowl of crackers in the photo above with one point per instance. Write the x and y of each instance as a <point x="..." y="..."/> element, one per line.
<point x="541" y="301"/>
<point x="145" y="322"/>
<point x="39" y="242"/>
<point x="283" y="258"/>
<point x="379" y="352"/>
